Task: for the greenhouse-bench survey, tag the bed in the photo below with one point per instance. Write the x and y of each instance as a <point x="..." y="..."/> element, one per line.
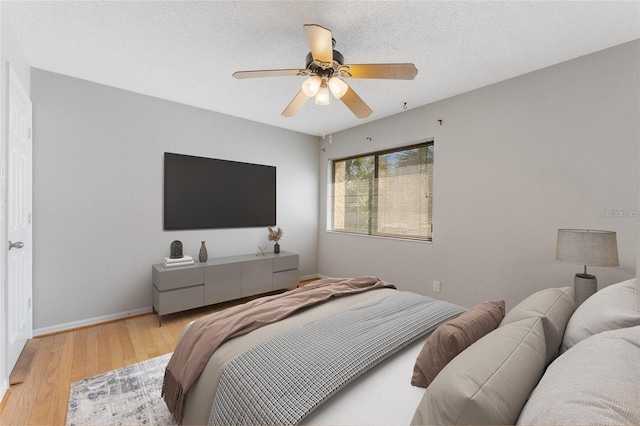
<point x="493" y="376"/>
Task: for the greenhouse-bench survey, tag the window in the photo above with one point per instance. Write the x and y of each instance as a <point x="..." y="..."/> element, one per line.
<point x="385" y="193"/>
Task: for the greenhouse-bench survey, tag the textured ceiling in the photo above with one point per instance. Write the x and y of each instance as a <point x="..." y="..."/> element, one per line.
<point x="187" y="51"/>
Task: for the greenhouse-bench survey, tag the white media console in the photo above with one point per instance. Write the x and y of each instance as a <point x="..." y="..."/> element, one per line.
<point x="222" y="279"/>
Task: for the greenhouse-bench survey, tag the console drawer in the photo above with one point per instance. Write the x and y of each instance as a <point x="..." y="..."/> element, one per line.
<point x="286" y="279"/>
<point x="172" y="278"/>
<point x="167" y="302"/>
<point x="285" y="263"/>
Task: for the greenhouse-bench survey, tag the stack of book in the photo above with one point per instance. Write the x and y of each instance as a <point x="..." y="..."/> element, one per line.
<point x="179" y="261"/>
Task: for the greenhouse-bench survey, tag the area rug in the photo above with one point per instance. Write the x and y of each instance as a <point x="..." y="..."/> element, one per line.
<point x="127" y="396"/>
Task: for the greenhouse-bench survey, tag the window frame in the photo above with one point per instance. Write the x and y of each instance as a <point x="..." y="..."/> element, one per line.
<point x="374" y="203"/>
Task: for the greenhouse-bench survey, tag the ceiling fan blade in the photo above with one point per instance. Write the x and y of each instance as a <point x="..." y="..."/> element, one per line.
<point x="356" y="104"/>
<point x="390" y="71"/>
<point x="320" y="42"/>
<point x="269" y="73"/>
<point x="295" y="105"/>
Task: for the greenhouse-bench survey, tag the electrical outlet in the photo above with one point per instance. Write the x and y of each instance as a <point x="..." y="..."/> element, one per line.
<point x="436" y="286"/>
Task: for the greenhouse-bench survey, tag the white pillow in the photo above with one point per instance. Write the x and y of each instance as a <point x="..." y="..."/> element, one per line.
<point x="611" y="308"/>
<point x="597" y="382"/>
<point x="489" y="382"/>
<point x="554" y="306"/>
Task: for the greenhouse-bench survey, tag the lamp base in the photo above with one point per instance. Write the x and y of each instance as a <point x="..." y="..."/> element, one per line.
<point x="584" y="286"/>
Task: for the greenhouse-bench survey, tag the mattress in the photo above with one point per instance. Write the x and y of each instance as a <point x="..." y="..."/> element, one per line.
<point x="382" y="396"/>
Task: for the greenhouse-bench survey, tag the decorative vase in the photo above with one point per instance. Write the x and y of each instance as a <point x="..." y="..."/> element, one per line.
<point x="203" y="256"/>
<point x="276" y="248"/>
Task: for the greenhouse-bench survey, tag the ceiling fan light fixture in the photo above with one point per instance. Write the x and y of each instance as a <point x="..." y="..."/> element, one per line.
<point x="311" y="86"/>
<point x="326" y="71"/>
<point x="323" y="97"/>
<point x="338" y="87"/>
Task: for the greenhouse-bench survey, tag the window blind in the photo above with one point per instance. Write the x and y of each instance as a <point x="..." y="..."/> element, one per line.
<point x="386" y="193"/>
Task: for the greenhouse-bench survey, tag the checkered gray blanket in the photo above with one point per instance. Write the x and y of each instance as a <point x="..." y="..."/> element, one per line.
<point x="283" y="379"/>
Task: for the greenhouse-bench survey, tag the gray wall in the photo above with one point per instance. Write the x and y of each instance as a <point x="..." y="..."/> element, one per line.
<point x="514" y="162"/>
<point x="98" y="176"/>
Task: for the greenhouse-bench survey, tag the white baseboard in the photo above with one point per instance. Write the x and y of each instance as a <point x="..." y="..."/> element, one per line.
<point x="4" y="388"/>
<point x="97" y="320"/>
<point x="89" y="321"/>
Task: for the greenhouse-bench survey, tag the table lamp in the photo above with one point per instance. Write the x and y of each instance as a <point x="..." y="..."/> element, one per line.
<point x="589" y="248"/>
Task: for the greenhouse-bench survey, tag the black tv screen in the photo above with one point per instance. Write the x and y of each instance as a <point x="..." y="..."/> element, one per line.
<point x="210" y="193"/>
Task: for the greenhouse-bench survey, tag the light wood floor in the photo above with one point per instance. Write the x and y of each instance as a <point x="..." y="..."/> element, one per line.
<point x="67" y="357"/>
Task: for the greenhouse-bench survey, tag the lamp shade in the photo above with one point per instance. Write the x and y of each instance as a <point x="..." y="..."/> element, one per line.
<point x="587" y="247"/>
<point x="323" y="98"/>
<point x="338" y="87"/>
<point x="311" y="86"/>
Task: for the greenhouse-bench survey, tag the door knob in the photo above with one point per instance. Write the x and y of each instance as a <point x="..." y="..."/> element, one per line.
<point x="17" y="244"/>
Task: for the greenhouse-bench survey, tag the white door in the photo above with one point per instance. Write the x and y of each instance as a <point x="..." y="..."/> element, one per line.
<point x="19" y="265"/>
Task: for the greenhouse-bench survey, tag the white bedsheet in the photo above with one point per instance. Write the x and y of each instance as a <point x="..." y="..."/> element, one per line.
<point x="382" y="396"/>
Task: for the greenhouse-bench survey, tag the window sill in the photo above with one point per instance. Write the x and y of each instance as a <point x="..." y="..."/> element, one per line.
<point x="380" y="237"/>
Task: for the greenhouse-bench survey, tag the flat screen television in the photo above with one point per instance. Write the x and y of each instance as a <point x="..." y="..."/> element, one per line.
<point x="204" y="193"/>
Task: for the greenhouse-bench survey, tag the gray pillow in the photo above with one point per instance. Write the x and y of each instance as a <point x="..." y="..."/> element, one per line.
<point x="597" y="382"/>
<point x="554" y="306"/>
<point x="489" y="382"/>
<point x="611" y="308"/>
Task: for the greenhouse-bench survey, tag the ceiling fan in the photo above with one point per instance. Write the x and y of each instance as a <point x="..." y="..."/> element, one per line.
<point x="326" y="70"/>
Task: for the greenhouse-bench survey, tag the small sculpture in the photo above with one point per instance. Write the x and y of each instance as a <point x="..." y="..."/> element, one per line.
<point x="175" y="250"/>
<point x="263" y="251"/>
